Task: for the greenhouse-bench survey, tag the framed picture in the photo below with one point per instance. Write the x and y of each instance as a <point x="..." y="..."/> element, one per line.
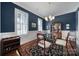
<point x="33" y="24"/>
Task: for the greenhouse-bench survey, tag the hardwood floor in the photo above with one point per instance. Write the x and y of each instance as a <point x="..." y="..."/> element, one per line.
<point x="24" y="49"/>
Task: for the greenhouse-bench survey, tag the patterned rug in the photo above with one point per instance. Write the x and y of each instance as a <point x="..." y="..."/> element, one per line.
<point x="53" y="50"/>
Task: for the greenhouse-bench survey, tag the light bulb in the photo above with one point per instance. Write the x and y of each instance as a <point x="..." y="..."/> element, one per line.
<point x="51" y="18"/>
<point x="46" y="18"/>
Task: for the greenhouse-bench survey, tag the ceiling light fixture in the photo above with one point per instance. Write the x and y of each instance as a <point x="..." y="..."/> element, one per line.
<point x="49" y="18"/>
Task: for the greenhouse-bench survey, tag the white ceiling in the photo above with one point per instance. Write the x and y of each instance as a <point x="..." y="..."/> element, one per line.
<point x="43" y="9"/>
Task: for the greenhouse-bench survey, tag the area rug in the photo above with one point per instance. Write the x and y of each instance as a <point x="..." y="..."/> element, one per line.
<point x="53" y="50"/>
<point x="56" y="50"/>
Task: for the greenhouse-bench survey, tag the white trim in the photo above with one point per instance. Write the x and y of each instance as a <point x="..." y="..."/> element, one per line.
<point x="77" y="32"/>
<point x="40" y="28"/>
<point x="23" y="14"/>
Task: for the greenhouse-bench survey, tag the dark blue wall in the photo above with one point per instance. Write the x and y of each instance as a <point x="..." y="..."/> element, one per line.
<point x="7" y="17"/>
<point x="0" y="16"/>
<point x="33" y="19"/>
<point x="44" y="24"/>
<point x="8" y="25"/>
<point x="69" y="18"/>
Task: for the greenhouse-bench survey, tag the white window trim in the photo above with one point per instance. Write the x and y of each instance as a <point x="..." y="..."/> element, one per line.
<point x="78" y="28"/>
<point x="40" y="28"/>
<point x="16" y="11"/>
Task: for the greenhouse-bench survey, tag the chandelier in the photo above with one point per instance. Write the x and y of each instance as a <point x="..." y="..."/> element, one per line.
<point x="50" y="18"/>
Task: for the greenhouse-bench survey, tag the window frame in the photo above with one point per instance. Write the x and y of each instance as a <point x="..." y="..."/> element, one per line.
<point x="40" y="26"/>
<point x="22" y="23"/>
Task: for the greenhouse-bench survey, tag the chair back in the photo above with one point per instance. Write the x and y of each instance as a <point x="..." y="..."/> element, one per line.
<point x="65" y="34"/>
<point x="40" y="35"/>
<point x="64" y="40"/>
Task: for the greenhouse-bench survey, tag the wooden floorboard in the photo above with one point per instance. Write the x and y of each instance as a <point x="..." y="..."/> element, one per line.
<point x="24" y="49"/>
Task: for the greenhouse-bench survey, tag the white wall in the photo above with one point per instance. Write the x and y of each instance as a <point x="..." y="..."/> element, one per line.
<point x="24" y="38"/>
<point x="78" y="32"/>
<point x="72" y="34"/>
<point x="28" y="37"/>
<point x="31" y="35"/>
<point x="7" y="34"/>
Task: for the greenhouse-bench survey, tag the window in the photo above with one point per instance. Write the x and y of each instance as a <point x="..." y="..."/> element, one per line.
<point x="21" y="22"/>
<point x="39" y="24"/>
<point x="67" y="26"/>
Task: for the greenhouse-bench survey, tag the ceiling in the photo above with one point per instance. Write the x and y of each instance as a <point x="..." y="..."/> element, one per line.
<point x="43" y="9"/>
